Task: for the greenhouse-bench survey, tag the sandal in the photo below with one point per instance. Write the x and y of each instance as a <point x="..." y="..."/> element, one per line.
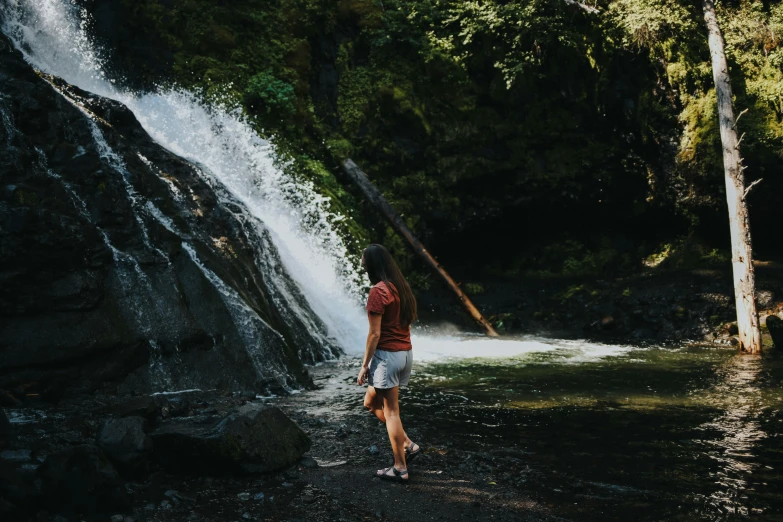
<point x="411" y="454"/>
<point x="393" y="474"/>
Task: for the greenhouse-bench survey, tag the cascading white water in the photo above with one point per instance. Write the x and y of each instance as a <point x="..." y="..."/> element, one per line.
<point x="54" y="37"/>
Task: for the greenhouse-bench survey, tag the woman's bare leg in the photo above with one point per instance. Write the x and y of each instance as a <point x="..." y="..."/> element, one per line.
<point x="374" y="403"/>
<point x="397" y="437"/>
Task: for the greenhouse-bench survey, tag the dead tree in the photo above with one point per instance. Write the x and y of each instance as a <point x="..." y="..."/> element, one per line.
<point x="736" y="192"/>
<point x="374" y="196"/>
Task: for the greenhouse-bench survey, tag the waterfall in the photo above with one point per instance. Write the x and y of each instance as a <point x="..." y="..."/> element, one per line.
<point x="288" y="213"/>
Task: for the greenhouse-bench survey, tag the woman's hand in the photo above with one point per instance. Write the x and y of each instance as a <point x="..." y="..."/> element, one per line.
<point x="362" y="378"/>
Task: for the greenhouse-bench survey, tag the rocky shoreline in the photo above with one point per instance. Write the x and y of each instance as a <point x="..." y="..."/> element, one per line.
<point x="105" y="457"/>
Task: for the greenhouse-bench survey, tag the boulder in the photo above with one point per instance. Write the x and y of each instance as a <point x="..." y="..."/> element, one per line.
<point x="775" y="327"/>
<point x="80" y="480"/>
<point x="249" y="441"/>
<point x="127" y="445"/>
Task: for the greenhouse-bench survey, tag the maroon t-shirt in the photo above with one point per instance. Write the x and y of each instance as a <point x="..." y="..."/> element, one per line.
<point x="384" y="300"/>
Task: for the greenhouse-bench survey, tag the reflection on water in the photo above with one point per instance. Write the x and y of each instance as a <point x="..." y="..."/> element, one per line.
<point x="612" y="433"/>
<point x="738" y="429"/>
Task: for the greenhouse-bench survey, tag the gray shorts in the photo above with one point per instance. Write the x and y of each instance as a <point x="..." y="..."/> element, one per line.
<point x="390" y="369"/>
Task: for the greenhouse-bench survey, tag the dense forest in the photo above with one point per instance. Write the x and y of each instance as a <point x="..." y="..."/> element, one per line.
<point x="555" y="140"/>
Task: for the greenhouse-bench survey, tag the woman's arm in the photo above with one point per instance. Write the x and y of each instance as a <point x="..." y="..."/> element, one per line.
<point x="373" y="336"/>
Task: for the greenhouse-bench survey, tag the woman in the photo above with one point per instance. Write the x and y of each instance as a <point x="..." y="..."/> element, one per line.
<point x="391" y="308"/>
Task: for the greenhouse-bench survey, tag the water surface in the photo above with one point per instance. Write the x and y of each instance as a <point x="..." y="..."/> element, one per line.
<point x="611" y="432"/>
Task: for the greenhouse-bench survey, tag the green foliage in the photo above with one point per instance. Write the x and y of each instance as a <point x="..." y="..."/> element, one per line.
<point x="274" y="95"/>
<point x="473" y="115"/>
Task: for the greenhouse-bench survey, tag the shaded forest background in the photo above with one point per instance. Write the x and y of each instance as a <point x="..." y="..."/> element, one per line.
<point x="520" y="140"/>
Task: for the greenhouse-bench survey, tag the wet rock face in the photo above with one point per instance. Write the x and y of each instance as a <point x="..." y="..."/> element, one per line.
<point x="251" y="441"/>
<point x="80" y="480"/>
<point x="120" y="261"/>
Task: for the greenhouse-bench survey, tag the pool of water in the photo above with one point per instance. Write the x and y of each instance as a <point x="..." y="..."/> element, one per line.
<point x="612" y="432"/>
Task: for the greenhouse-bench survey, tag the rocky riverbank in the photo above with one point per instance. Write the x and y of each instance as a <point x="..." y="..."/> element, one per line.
<point x="107" y="457"/>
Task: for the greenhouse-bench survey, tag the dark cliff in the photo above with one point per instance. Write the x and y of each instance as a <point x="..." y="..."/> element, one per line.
<point x="119" y="260"/>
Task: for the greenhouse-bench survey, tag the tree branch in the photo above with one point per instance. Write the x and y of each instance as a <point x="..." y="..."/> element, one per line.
<point x="747" y="190"/>
<point x="738" y="117"/>
<point x="589" y="9"/>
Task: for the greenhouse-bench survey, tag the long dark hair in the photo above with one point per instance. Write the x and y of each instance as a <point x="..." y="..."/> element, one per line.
<point x="380" y="266"/>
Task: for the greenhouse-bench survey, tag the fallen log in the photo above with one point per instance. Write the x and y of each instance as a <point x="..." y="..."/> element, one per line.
<point x="374" y="196"/>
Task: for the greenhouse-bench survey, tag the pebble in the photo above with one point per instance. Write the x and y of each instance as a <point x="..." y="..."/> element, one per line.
<point x="287" y="485"/>
<point x="373" y="450"/>
<point x="117" y="518"/>
<point x="246" y="516"/>
<point x="150" y="507"/>
<point x="244" y="496"/>
<point x="166" y="504"/>
<point x="259" y="497"/>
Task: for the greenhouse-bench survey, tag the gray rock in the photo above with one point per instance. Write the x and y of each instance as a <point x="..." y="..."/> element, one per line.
<point x="373" y="450"/>
<point x="81" y="480"/>
<point x="244" y="496"/>
<point x="126" y="444"/>
<point x="775" y="327"/>
<point x="259" y="497"/>
<point x="256" y="440"/>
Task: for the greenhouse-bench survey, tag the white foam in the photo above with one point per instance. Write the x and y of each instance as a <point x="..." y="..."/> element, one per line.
<point x="429" y="349"/>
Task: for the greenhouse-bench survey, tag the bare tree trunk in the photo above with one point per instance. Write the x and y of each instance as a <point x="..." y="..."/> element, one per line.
<point x="377" y="199"/>
<point x="741" y="252"/>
